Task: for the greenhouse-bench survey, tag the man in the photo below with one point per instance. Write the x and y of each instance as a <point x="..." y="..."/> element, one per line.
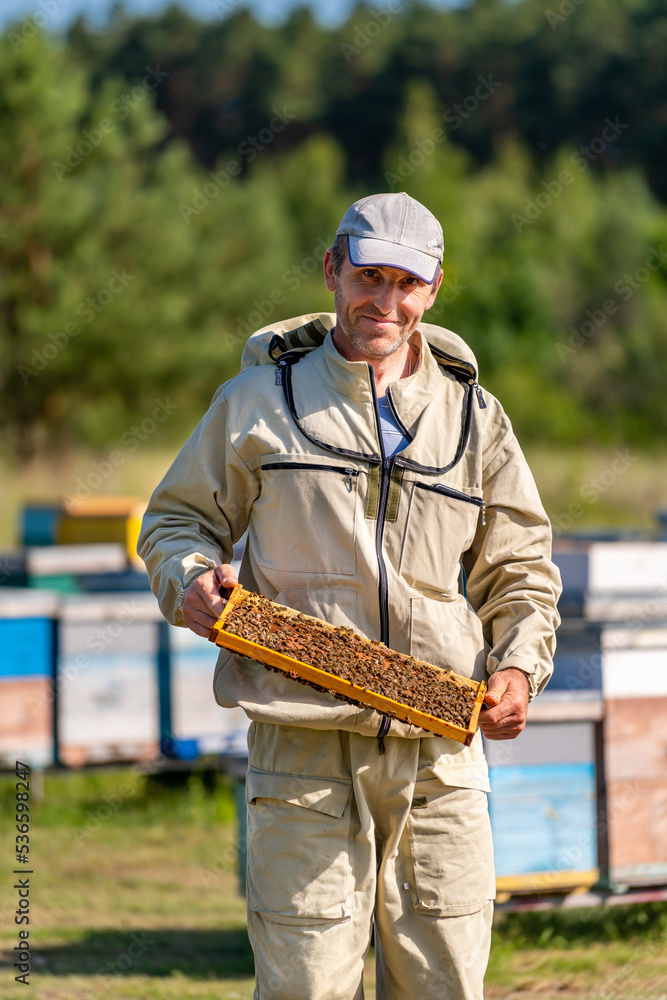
<point x="379" y="485"/>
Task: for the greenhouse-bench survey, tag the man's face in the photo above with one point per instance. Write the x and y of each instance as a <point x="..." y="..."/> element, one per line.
<point x="378" y="308"/>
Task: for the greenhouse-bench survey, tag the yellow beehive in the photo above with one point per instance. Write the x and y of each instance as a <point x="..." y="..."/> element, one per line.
<point x="102" y="519"/>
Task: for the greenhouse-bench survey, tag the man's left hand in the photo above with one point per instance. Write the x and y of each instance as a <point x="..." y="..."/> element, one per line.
<point x="505" y="705"/>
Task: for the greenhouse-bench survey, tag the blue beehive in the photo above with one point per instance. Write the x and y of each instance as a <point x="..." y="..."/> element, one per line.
<point x="40" y="523"/>
<point x="543" y="818"/>
<point x="27" y="647"/>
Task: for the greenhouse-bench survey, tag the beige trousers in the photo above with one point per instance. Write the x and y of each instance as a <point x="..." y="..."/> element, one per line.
<point x="342" y="838"/>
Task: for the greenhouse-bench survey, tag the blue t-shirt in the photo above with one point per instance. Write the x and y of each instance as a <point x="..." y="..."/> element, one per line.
<point x="393" y="438"/>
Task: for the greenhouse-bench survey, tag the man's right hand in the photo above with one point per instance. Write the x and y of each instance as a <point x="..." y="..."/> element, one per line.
<point x="203" y="604"/>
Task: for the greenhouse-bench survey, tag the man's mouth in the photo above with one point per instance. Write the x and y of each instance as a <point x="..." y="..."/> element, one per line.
<point x="382" y="321"/>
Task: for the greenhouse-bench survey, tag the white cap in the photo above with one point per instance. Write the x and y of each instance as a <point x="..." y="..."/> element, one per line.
<point x="393" y="230"/>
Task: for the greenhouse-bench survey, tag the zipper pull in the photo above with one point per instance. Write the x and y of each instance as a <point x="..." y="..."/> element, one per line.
<point x="478" y="392"/>
<point x="385" y="726"/>
<point x="279" y="377"/>
<point x="349" y="475"/>
<point x="483" y="511"/>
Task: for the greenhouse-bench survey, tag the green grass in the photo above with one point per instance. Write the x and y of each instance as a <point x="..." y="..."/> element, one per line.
<point x="575" y="928"/>
<point x="143" y="903"/>
<point x="617" y="953"/>
<point x="136" y="901"/>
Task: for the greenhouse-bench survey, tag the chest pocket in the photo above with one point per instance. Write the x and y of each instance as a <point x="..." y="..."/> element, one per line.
<point x="309" y="511"/>
<point x="441" y="524"/>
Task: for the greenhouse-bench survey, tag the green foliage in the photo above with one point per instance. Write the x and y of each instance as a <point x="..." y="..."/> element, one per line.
<point x="84" y="202"/>
<point x="167" y="186"/>
<point x="559" y="70"/>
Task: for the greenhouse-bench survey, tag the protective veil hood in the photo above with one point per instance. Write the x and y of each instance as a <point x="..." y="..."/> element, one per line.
<point x="304" y="333"/>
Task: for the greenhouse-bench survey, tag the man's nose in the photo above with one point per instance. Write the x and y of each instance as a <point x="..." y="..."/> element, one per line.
<point x="386" y="297"/>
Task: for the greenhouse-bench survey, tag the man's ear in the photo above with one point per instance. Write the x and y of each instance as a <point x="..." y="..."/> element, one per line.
<point x="329" y="273"/>
<point x="434" y="291"/>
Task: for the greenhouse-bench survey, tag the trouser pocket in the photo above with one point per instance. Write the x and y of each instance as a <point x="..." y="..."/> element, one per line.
<point x="299" y="849"/>
<point x="448" y="839"/>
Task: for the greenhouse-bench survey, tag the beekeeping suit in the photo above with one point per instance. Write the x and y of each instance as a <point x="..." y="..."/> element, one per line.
<point x="442" y="552"/>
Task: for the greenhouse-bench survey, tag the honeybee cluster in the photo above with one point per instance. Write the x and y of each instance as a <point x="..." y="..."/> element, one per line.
<point x="340" y="651"/>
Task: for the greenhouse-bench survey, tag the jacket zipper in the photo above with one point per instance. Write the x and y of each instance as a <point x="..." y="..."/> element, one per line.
<point x="396" y="417"/>
<point x="348" y="473"/>
<point x="383" y="590"/>
<point x="456" y="495"/>
<point x="481" y="402"/>
<point x="407" y="463"/>
<point x="288" y="393"/>
<point x="463" y="367"/>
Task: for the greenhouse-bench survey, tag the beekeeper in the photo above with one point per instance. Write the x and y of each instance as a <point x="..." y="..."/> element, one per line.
<point x="382" y="489"/>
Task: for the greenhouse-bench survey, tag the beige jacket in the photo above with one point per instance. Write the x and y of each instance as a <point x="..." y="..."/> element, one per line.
<point x="292" y="452"/>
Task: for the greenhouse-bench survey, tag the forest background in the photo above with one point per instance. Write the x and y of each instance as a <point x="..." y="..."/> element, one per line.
<point x="168" y="185"/>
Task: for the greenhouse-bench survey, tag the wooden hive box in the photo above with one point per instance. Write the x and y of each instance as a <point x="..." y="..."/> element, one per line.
<point x="393" y="683"/>
<point x="90" y="520"/>
<point x="27" y="653"/>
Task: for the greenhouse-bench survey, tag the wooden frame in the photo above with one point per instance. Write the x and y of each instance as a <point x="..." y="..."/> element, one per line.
<point x="359" y="694"/>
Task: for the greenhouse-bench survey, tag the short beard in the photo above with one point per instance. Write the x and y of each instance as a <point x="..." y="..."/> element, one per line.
<point x="376" y="352"/>
<point x="373" y="351"/>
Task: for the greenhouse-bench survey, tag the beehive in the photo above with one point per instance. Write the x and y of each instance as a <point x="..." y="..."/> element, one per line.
<point x="359" y="670"/>
<point x="92" y="520"/>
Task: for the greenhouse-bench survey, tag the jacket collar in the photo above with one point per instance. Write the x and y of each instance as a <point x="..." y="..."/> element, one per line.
<point x="353" y="378"/>
<point x="431" y="404"/>
<point x="349" y="378"/>
<point x="410" y="396"/>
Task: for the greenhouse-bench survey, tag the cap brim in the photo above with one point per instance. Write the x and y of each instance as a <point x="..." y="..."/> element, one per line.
<point x="364" y="251"/>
